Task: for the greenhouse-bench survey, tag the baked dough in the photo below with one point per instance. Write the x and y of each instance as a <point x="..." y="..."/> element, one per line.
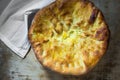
<point x="69" y="36"/>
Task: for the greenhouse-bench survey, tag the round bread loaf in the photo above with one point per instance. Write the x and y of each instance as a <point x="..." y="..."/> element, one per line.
<point x="69" y="36"/>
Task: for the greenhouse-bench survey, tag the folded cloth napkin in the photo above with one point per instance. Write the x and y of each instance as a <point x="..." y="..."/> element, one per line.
<point x="13" y="28"/>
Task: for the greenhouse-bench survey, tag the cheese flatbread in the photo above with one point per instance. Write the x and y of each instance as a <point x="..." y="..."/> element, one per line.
<point x="69" y="36"/>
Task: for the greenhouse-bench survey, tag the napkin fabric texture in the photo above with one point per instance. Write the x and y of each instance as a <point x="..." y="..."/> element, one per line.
<point x="13" y="24"/>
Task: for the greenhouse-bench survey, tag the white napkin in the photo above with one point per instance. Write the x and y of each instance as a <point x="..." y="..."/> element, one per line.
<point x="13" y="29"/>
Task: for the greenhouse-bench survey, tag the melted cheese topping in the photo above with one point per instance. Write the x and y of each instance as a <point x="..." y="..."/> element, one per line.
<point x="67" y="38"/>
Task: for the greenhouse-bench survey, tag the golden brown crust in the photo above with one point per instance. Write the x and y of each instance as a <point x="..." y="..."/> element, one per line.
<point x="69" y="36"/>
